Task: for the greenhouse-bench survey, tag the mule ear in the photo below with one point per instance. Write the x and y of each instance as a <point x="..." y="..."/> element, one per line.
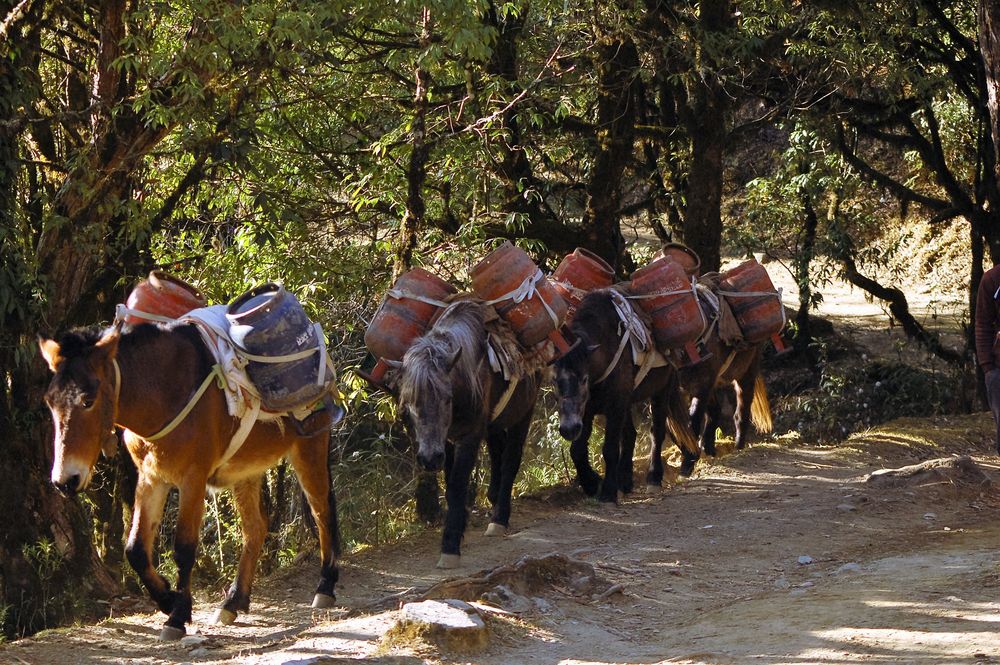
<point x="50" y="351"/>
<point x="395" y="364"/>
<point x="108" y="344"/>
<point x="593" y="347"/>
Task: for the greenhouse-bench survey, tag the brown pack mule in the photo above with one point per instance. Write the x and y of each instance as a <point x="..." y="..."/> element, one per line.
<point x="140" y="379"/>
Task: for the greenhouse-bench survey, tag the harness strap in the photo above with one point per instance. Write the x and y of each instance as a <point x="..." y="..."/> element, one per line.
<point x="505" y="398"/>
<point x="215" y="374"/>
<point x="762" y="294"/>
<point x="527" y="290"/>
<point x="617" y="358"/>
<point x="400" y="294"/>
<point x="121" y="311"/>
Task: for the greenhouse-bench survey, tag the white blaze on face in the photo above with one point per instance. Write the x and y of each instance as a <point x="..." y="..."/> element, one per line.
<point x="65" y="467"/>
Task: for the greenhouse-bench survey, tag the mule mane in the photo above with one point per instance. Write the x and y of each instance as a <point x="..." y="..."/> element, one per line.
<point x="590" y="324"/>
<point x="425" y="371"/>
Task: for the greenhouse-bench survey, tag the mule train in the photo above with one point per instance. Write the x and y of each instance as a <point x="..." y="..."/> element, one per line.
<point x="463" y="368"/>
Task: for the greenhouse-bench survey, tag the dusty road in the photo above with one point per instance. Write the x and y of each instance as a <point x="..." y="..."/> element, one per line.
<point x="777" y="554"/>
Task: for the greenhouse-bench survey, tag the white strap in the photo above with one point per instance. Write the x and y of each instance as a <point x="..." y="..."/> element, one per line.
<point x="618" y="355"/>
<point x="122" y="311"/>
<point x="504" y="399"/>
<point x="247" y="422"/>
<point x="759" y="294"/>
<point x="527" y="290"/>
<point x="400" y="294"/>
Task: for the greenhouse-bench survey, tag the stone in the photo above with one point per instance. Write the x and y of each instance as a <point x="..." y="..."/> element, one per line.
<point x="454" y="625"/>
<point x="782" y="583"/>
<point x="848" y="568"/>
<point x="805" y="560"/>
<point x="847" y="507"/>
<point x="193" y="641"/>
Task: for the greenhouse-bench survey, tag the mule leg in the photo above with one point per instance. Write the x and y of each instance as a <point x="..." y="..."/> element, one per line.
<point x="627" y="462"/>
<point x="579" y="452"/>
<point x="147" y="511"/>
<point x="613" y="426"/>
<point x="658" y="434"/>
<point x="190" y="511"/>
<point x="496" y="441"/>
<point x="712" y="411"/>
<point x="309" y="459"/>
<point x="512" y="449"/>
<point x="456" y="490"/>
<point x="253" y="525"/>
<point x="744" y="402"/>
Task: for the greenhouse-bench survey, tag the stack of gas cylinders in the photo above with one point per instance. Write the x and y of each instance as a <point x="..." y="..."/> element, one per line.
<point x="536" y="306"/>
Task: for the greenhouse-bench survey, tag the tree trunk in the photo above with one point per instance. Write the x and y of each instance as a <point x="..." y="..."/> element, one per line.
<point x="617" y="95"/>
<point x="416" y="171"/>
<point x="706" y="123"/>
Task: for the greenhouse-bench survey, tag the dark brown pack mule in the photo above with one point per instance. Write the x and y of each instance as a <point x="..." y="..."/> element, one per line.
<point x="142" y="379"/>
<point x="736" y="365"/>
<point x="596" y="378"/>
<point x="451" y="399"/>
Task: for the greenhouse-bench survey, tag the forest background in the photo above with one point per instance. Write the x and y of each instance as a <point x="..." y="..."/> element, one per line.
<point x="333" y="145"/>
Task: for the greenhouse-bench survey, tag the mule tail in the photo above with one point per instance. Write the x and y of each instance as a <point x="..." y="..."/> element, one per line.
<point x="760" y="409"/>
<point x="679" y="422"/>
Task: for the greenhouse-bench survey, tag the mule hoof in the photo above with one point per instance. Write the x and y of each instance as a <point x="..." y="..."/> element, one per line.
<point x="449" y="561"/>
<point x="224" y="617"/>
<point x="653" y="489"/>
<point x="321" y="601"/>
<point x="495" y="529"/>
<point x="171" y="634"/>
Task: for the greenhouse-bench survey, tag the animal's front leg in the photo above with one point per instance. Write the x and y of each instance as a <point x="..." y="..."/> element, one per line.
<point x="511" y="451"/>
<point x="190" y="510"/>
<point x="456" y="490"/>
<point x="614" y="423"/>
<point x="147" y="511"/>
<point x="579" y="452"/>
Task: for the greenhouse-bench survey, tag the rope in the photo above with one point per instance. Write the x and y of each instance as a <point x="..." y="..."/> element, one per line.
<point x="216" y="373"/>
<point x="121" y="311"/>
<point x="759" y="294"/>
<point x="527" y="290"/>
<point x="400" y="294"/>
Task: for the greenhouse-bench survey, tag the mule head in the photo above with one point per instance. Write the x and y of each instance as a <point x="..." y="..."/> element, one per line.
<point x="82" y="400"/>
<point x="425" y="400"/>
<point x="572" y="376"/>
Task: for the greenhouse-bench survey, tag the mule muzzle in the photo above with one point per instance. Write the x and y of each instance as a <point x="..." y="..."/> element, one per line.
<point x="570" y="431"/>
<point x="69" y="487"/>
<point x="431" y="461"/>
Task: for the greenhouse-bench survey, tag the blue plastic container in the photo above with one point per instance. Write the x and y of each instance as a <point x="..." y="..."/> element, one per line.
<point x="268" y="321"/>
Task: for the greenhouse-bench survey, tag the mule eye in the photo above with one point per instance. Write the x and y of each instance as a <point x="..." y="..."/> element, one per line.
<point x="88" y="403"/>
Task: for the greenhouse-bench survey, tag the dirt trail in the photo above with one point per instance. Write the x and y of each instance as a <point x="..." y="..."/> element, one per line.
<point x="710" y="570"/>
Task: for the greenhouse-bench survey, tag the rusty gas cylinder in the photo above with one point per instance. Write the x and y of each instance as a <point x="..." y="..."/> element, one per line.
<point x="162" y="296"/>
<point x="580" y="272"/>
<point x="521" y="294"/>
<point x="664" y="291"/>
<point x="404" y="315"/>
<point x="755" y="302"/>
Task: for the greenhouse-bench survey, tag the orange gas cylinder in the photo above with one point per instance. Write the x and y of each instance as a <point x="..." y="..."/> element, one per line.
<point x="580" y="272"/>
<point x="405" y="315"/>
<point x="510" y="280"/>
<point x="683" y="255"/>
<point x="755" y="302"/>
<point x="664" y="291"/>
<point x="163" y="296"/>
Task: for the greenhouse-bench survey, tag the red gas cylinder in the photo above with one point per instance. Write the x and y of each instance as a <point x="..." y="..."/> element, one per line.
<point x="580" y="272"/>
<point x="684" y="255"/>
<point x="666" y="294"/>
<point x="162" y="295"/>
<point x="755" y="302"/>
<point x="405" y="315"/>
<point x="509" y="279"/>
